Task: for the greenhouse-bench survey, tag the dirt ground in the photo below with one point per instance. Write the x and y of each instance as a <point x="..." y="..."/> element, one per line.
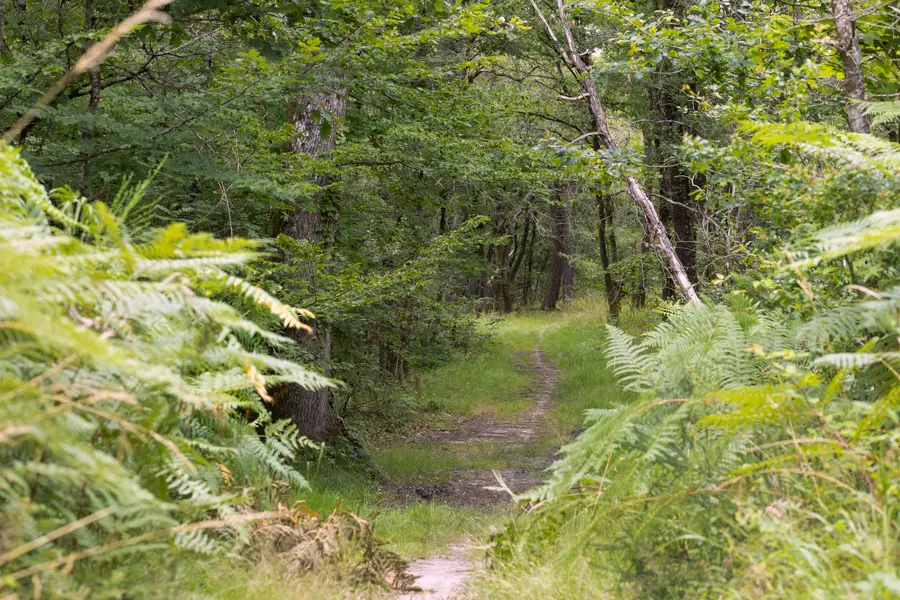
<point x="440" y="576"/>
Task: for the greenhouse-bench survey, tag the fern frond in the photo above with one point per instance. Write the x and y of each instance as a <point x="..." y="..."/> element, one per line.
<point x="290" y="317"/>
<point x="878" y="230"/>
<point x="883" y="112"/>
<point x="633" y="367"/>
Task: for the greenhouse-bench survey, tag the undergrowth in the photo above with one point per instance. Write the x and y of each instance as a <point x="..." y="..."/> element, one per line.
<point x="750" y="449"/>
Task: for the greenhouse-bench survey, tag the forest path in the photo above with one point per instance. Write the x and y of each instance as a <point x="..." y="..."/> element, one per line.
<point x="440" y="576"/>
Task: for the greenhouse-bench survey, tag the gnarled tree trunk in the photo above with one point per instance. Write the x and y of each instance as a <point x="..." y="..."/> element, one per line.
<point x="851" y="56"/>
<point x="311" y="409"/>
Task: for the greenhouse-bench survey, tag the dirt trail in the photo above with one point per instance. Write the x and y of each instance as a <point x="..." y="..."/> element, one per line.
<point x="525" y="427"/>
<point x="439" y="577"/>
<point x="467" y="487"/>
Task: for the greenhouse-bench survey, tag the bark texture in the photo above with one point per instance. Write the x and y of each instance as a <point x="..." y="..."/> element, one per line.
<point x="851" y="55"/>
<point x="607" y="243"/>
<point x="311" y="410"/>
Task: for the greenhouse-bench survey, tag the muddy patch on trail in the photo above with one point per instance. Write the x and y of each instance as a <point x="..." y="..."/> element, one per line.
<point x="476" y="487"/>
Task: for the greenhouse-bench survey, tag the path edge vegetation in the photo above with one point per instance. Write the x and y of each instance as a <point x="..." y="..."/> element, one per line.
<point x="168" y="391"/>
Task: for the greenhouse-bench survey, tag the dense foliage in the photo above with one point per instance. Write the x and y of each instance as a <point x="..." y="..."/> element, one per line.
<point x="126" y="378"/>
<point x="762" y="445"/>
<point x="407" y="166"/>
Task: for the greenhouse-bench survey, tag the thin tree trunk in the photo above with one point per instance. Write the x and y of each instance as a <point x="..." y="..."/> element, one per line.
<point x="639" y="298"/>
<point x="612" y="244"/>
<point x="444" y="294"/>
<point x="568" y="275"/>
<point x="311" y="410"/>
<point x="499" y="255"/>
<point x="529" y="265"/>
<point x="609" y="255"/>
<point x="851" y="55"/>
<point x="572" y="57"/>
<point x="513" y="269"/>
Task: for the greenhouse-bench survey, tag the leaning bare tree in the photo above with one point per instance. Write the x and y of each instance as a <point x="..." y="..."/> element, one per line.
<point x="573" y="59"/>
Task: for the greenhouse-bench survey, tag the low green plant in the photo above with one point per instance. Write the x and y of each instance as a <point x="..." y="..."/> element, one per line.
<point x="126" y="381"/>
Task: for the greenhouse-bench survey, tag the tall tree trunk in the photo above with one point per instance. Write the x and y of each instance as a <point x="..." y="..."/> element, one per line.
<point x="639" y="298"/>
<point x="529" y="265"/>
<point x="311" y="409"/>
<point x="571" y="55"/>
<point x="609" y="254"/>
<point x="568" y="274"/>
<point x="561" y="276"/>
<point x="499" y="256"/>
<point x="675" y="184"/>
<point x="605" y="242"/>
<point x="851" y="55"/>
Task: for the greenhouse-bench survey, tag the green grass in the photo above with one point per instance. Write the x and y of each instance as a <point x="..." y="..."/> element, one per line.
<point x="438" y="462"/>
<point x="228" y="578"/>
<point x="413" y="530"/>
<point x="427" y="528"/>
<point x="575" y="346"/>
<point x="488" y="382"/>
